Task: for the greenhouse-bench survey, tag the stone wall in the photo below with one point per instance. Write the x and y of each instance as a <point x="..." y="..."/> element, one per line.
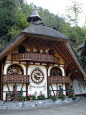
<point x="79" y="86"/>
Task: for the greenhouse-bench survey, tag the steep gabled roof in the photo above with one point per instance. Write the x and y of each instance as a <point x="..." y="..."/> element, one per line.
<point x="44" y="30"/>
<point x="36" y="29"/>
<point x="39" y="29"/>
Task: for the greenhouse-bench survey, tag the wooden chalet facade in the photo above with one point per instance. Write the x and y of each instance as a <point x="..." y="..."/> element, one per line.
<point x="38" y="60"/>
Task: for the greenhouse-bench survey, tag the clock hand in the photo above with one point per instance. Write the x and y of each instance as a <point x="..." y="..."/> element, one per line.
<point x="38" y="75"/>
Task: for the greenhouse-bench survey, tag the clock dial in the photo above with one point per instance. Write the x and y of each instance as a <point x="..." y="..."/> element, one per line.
<point x="37" y="76"/>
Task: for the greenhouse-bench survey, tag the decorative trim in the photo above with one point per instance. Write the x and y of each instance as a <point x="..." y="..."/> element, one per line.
<point x="32" y="86"/>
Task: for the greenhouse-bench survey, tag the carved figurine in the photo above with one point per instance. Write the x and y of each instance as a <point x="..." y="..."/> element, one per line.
<point x="52" y="73"/>
<point x="28" y="49"/>
<point x="61" y="89"/>
<point x="58" y="73"/>
<point x="46" y="51"/>
<point x="71" y="89"/>
<point x="14" y="71"/>
<point x="34" y="50"/>
<point x="41" y="51"/>
<point x="10" y="71"/>
<point x="20" y="72"/>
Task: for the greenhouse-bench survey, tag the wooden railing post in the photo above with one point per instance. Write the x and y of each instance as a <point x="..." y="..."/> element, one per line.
<point x="15" y="79"/>
<point x="59" y="79"/>
<point x="34" y="56"/>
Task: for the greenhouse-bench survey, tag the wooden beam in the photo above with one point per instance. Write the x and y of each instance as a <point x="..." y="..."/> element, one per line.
<point x="67" y="64"/>
<point x="52" y="90"/>
<point x="8" y="87"/>
<point x="59" y="51"/>
<point x="62" y="48"/>
<point x="73" y="60"/>
<point x="26" y="89"/>
<point x="47" y="81"/>
<point x="66" y="50"/>
<point x="12" y="47"/>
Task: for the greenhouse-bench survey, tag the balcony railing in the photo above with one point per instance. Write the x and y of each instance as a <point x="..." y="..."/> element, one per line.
<point x="35" y="57"/>
<point x="15" y="79"/>
<point x="58" y="79"/>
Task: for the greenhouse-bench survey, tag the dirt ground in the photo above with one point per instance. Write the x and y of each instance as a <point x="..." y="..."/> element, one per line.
<point x="76" y="108"/>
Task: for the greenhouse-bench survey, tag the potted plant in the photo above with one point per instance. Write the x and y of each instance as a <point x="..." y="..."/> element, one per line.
<point x="73" y="97"/>
<point x="70" y="95"/>
<point x="21" y="98"/>
<point x="53" y="97"/>
<point x="61" y="96"/>
<point x="41" y="97"/>
<point x="31" y="97"/>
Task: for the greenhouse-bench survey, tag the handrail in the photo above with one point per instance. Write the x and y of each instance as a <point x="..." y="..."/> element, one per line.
<point x="58" y="79"/>
<point x="35" y="57"/>
<point x="15" y="79"/>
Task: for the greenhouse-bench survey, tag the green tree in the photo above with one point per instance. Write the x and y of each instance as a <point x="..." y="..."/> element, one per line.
<point x="8" y="15"/>
<point x="73" y="12"/>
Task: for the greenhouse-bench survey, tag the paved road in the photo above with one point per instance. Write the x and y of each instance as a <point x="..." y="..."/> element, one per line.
<point x="78" y="108"/>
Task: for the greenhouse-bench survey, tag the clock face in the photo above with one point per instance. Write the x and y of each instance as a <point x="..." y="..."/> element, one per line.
<point x="37" y="76"/>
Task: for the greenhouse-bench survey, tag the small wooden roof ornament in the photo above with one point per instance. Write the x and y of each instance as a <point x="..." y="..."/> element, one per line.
<point x="34" y="17"/>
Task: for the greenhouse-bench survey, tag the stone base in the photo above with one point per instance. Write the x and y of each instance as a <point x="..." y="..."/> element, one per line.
<point x="34" y="103"/>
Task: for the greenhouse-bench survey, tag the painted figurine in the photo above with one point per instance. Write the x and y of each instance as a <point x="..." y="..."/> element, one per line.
<point x="34" y="50"/>
<point x="41" y="51"/>
<point x="28" y="49"/>
<point x="61" y="89"/>
<point x="52" y="73"/>
<point x="71" y="89"/>
<point x="46" y="51"/>
<point x="10" y="71"/>
<point x="20" y="72"/>
<point x="14" y="71"/>
<point x="58" y="73"/>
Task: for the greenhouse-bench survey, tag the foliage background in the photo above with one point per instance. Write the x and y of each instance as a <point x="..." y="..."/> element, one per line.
<point x="14" y="15"/>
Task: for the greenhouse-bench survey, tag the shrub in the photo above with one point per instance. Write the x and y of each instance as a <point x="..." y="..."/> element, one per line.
<point x="70" y="95"/>
<point x="53" y="97"/>
<point x="21" y="98"/>
<point x="41" y="97"/>
<point x="31" y="96"/>
<point x="61" y="96"/>
<point x="73" y="97"/>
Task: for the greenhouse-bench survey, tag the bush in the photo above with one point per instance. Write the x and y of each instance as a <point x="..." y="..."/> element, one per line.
<point x="41" y="97"/>
<point x="70" y="95"/>
<point x="31" y="96"/>
<point x="21" y="98"/>
<point x="53" y="97"/>
<point x="73" y="97"/>
<point x="61" y="96"/>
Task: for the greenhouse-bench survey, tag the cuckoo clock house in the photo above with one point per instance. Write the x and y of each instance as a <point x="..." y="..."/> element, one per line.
<point x="38" y="60"/>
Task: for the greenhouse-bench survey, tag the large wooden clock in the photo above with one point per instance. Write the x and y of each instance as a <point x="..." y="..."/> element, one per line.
<point x="37" y="76"/>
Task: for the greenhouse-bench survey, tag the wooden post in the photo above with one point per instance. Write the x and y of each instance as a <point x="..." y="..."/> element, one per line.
<point x="47" y="82"/>
<point x="26" y="89"/>
<point x="27" y="65"/>
<point x="2" y="72"/>
<point x="2" y="91"/>
<point x="15" y="91"/>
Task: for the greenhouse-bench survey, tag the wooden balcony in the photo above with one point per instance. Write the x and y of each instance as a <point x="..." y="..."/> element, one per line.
<point x="58" y="79"/>
<point x="15" y="79"/>
<point x="35" y="57"/>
